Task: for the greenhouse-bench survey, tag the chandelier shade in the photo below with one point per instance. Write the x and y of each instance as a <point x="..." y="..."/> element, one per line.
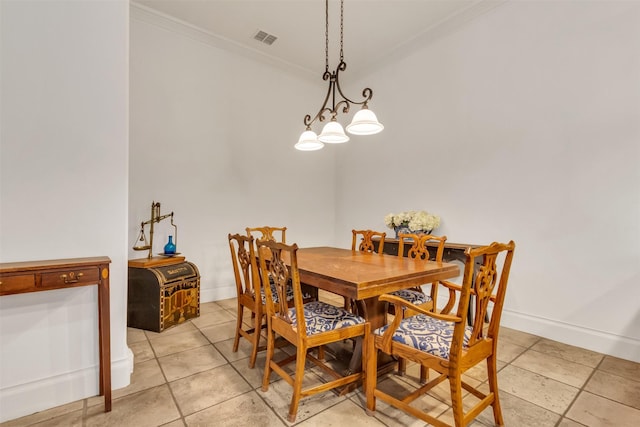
<point x="364" y="121"/>
<point x="309" y="141"/>
<point x="332" y="133"/>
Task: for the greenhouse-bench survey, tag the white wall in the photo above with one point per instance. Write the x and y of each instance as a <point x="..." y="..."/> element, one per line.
<point x="212" y="135"/>
<point x="63" y="191"/>
<point x="524" y="125"/>
<point x="539" y="98"/>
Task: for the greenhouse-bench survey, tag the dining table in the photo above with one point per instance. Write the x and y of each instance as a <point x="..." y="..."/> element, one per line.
<point x="364" y="276"/>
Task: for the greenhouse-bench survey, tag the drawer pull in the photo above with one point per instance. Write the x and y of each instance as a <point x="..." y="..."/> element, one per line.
<point x="72" y="277"/>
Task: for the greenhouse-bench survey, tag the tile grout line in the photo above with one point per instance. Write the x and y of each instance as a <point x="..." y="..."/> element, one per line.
<point x="580" y="390"/>
<point x="562" y="416"/>
<point x="85" y="410"/>
<point x="228" y="362"/>
<point x="166" y="381"/>
<point x="87" y="418"/>
<point x="261" y="395"/>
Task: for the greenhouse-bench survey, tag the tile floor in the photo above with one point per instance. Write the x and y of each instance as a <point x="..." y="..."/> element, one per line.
<point x="188" y="376"/>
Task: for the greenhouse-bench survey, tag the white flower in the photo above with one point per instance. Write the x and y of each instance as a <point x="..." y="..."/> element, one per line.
<point x="415" y="220"/>
<point x="388" y="220"/>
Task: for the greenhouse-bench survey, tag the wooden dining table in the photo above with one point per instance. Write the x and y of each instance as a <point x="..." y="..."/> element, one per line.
<point x="363" y="277"/>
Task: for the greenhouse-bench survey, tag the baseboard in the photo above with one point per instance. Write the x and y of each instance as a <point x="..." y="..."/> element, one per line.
<point x="46" y="393"/>
<point x="602" y="342"/>
<point x="217" y="294"/>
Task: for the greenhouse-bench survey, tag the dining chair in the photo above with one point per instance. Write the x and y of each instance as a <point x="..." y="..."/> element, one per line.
<point x="366" y="245"/>
<point x="419" y="250"/>
<point x="416" y="295"/>
<point x="279" y="234"/>
<point x="250" y="294"/>
<point x="306" y="326"/>
<point x="267" y="232"/>
<point x="443" y="341"/>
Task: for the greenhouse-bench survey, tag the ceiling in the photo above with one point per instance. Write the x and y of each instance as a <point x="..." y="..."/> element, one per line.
<point x="374" y="30"/>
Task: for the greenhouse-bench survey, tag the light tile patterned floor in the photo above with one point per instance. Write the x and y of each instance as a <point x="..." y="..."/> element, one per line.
<point x="189" y="376"/>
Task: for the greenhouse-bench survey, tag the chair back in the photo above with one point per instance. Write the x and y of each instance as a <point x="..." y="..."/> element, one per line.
<point x="267" y="233"/>
<point x="279" y="262"/>
<point x="419" y="247"/>
<point x="483" y="288"/>
<point x="367" y="244"/>
<point x="245" y="267"/>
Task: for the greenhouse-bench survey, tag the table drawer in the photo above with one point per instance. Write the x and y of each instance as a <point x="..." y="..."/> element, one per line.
<point x="78" y="276"/>
<point x="17" y="284"/>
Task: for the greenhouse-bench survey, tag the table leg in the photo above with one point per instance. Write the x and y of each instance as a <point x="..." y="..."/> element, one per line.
<point x="104" y="333"/>
<point x="375" y="311"/>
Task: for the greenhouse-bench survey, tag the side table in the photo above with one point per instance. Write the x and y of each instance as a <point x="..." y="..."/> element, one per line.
<point x="37" y="276"/>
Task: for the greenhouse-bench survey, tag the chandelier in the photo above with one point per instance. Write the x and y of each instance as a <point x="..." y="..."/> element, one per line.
<point x="364" y="121"/>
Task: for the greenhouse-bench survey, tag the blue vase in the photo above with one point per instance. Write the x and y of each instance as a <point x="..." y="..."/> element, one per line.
<point x="170" y="248"/>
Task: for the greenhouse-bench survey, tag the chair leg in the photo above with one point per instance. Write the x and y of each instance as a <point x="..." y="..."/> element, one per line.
<point x="257" y="328"/>
<point x="371" y="373"/>
<point x="402" y="366"/>
<point x="455" y="383"/>
<point x="301" y="359"/>
<point x="236" y="340"/>
<point x="424" y="374"/>
<point x="271" y="343"/>
<point x="365" y="355"/>
<point x="493" y="388"/>
<point x="321" y="355"/>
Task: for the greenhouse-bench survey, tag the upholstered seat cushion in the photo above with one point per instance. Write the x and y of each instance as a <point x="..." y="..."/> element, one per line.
<point x="412" y="296"/>
<point x="426" y="334"/>
<point x="321" y="317"/>
<point x="274" y="293"/>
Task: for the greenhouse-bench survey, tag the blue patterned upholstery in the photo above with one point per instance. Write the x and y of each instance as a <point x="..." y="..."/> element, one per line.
<point x="321" y="317"/>
<point x="426" y="334"/>
<point x="274" y="293"/>
<point x="413" y="296"/>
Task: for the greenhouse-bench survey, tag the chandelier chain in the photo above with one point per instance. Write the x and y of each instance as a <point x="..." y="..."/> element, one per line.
<point x="326" y="36"/>
<point x="364" y="121"/>
<point x="341" y="29"/>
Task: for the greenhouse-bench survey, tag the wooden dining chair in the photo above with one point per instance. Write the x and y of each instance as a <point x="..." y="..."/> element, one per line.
<point x="366" y="243"/>
<point x="276" y="234"/>
<point x="250" y="294"/>
<point x="419" y="250"/>
<point x="279" y="234"/>
<point x="306" y="326"/>
<point x="444" y="342"/>
<point x="416" y="295"/>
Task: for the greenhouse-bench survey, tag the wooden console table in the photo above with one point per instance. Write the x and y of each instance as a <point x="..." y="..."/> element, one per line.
<point x="452" y="251"/>
<point x="37" y="276"/>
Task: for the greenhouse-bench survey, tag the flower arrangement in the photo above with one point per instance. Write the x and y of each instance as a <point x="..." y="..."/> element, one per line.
<point x="415" y="221"/>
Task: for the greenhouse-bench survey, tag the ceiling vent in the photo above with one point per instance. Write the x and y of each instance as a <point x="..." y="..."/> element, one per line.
<point x="265" y="37"/>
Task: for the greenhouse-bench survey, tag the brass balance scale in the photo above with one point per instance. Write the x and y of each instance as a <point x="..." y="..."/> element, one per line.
<point x="155" y="218"/>
<point x="165" y="290"/>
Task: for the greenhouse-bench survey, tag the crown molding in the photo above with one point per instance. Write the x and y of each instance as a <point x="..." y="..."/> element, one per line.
<point x="442" y="28"/>
<point x="147" y="15"/>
